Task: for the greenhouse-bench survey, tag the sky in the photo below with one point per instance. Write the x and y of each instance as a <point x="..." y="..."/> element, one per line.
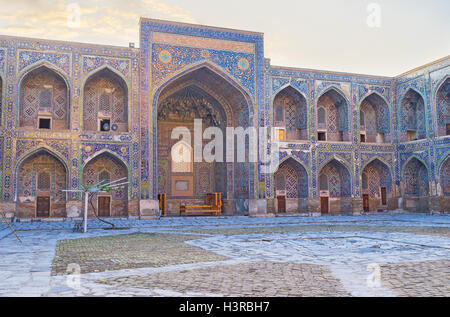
<point x="376" y="37"/>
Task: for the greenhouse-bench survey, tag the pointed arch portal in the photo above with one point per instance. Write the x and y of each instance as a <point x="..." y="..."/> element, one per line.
<point x="44" y="100"/>
<point x="105" y="102"/>
<point x="108" y="168"/>
<point x="335" y="126"/>
<point x="290" y="113"/>
<point x="41" y="177"/>
<point x="202" y="93"/>
<point x="291" y="187"/>
<point x="376" y="180"/>
<point x="335" y="187"/>
<point x="375" y="120"/>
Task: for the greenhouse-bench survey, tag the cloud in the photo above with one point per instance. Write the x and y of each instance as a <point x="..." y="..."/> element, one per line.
<point x="101" y="21"/>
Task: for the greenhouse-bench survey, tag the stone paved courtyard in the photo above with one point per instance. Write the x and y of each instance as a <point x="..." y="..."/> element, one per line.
<point x="128" y="251"/>
<point x="372" y="255"/>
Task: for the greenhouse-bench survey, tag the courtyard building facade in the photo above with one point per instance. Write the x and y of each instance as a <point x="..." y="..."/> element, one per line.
<point x="74" y="114"/>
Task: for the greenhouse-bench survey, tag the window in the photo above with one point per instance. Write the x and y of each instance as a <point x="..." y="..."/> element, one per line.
<point x="362" y="120"/>
<point x="104" y="178"/>
<point x="43" y="181"/>
<point x="45" y="123"/>
<point x="323" y="182"/>
<point x="280" y="134"/>
<point x="341" y="136"/>
<point x="104" y="103"/>
<point x="365" y="183"/>
<point x="105" y="125"/>
<point x="279" y="113"/>
<point x="279" y="181"/>
<point x="45" y="98"/>
<point x="322" y="136"/>
<point x="362" y="138"/>
<point x="411" y="135"/>
<point x="321" y="115"/>
<point x="447" y="127"/>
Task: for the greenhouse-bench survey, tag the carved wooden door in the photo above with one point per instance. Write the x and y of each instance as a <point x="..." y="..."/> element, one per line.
<point x="366" y="202"/>
<point x="281" y="204"/>
<point x="324" y="205"/>
<point x="104" y="206"/>
<point x="43" y="207"/>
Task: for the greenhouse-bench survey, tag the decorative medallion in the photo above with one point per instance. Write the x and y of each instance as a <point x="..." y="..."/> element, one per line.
<point x="205" y="54"/>
<point x="165" y="57"/>
<point x="243" y="64"/>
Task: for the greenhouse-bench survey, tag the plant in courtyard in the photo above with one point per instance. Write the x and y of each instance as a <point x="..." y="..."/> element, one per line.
<point x="94" y="190"/>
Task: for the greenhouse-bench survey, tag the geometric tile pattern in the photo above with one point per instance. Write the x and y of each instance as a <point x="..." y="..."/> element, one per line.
<point x="338" y="179"/>
<point x="105" y="95"/>
<point x="415" y="178"/>
<point x="43" y="91"/>
<point x="415" y="101"/>
<point x="95" y="171"/>
<point x="293" y="178"/>
<point x="445" y="177"/>
<point x="31" y="176"/>
<point x="443" y="107"/>
<point x="378" y="175"/>
<point x="412" y="115"/>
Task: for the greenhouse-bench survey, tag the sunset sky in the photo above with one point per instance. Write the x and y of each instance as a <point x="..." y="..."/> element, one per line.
<point x="321" y="34"/>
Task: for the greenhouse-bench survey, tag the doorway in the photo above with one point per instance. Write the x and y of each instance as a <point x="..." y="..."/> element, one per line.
<point x="324" y="205"/>
<point x="383" y="196"/>
<point x="281" y="204"/>
<point x="104" y="206"/>
<point x="366" y="202"/>
<point x="43" y="206"/>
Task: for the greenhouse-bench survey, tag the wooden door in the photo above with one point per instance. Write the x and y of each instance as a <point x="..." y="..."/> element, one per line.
<point x="104" y="206"/>
<point x="383" y="196"/>
<point x="281" y="204"/>
<point x="324" y="205"/>
<point x="43" y="206"/>
<point x="366" y="202"/>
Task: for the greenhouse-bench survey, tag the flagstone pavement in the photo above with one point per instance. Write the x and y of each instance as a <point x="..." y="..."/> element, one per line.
<point x="372" y="255"/>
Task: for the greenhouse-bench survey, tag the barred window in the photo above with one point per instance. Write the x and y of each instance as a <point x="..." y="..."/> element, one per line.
<point x="279" y="113"/>
<point x="44" y="181"/>
<point x="321" y="115"/>
<point x="105" y="102"/>
<point x="45" y="98"/>
<point x="280" y="182"/>
<point x="104" y="177"/>
<point x="362" y="120"/>
<point x="365" y="182"/>
<point x="323" y="182"/>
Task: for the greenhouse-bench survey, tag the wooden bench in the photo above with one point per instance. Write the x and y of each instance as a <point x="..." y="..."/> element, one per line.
<point x="213" y="204"/>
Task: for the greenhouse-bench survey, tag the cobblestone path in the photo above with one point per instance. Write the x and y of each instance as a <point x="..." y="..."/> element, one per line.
<point x="376" y="255"/>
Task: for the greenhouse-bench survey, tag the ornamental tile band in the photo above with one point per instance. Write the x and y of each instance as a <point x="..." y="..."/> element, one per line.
<point x="74" y="114"/>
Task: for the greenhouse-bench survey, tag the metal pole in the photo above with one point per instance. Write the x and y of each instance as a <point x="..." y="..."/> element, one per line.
<point x="86" y="200"/>
<point x="6" y="221"/>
